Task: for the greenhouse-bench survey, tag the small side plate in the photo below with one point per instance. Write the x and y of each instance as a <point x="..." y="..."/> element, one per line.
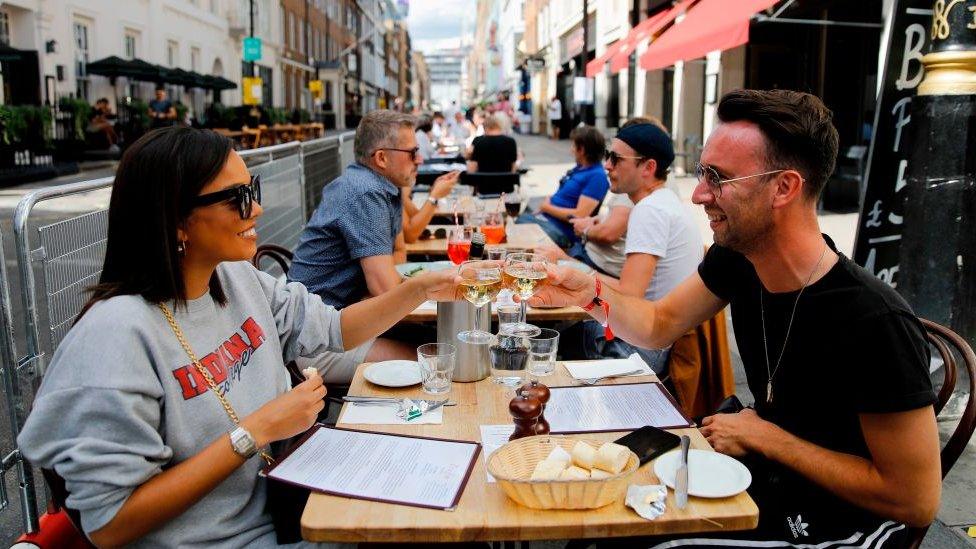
<point x="393" y="373"/>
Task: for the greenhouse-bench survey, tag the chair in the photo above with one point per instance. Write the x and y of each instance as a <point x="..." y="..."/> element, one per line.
<point x="949" y="344"/>
<point x="491" y="183"/>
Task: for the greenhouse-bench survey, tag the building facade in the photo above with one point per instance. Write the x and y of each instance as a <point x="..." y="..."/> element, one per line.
<point x="445" y="68"/>
<point x="420" y="83"/>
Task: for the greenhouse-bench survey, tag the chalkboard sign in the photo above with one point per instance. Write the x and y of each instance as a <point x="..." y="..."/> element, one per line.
<point x="880" y="224"/>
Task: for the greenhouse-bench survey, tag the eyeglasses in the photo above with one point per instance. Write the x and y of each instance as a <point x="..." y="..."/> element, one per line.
<point x="612" y="157"/>
<point x="244" y="195"/>
<point x="412" y="152"/>
<point x="708" y="175"/>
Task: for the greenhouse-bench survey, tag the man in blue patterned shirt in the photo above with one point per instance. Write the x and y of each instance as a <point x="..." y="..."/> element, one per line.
<point x="346" y="252"/>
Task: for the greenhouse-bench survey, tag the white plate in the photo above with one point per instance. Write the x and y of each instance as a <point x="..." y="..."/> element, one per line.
<point x="710" y="474"/>
<point x="393" y="373"/>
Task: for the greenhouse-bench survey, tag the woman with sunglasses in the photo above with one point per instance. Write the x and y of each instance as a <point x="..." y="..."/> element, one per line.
<point x="172" y="378"/>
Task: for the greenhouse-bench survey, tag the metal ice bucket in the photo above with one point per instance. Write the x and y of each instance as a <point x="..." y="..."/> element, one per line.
<point x="473" y="363"/>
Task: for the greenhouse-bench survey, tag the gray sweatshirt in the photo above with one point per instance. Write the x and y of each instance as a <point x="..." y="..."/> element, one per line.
<point x="121" y="400"/>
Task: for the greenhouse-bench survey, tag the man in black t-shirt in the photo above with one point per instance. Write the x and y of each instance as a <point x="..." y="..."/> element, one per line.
<point x="842" y="443"/>
<point x="493" y="152"/>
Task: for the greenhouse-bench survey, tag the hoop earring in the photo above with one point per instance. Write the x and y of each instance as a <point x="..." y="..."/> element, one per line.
<point x="181" y="247"/>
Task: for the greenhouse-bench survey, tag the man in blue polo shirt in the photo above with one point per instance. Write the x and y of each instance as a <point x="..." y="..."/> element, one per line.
<point x="580" y="191"/>
<point x="346" y="252"/>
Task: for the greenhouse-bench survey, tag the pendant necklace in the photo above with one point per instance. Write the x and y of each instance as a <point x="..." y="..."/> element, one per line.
<point x="762" y="313"/>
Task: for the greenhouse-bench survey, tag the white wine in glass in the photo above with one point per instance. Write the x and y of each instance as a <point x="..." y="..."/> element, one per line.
<point x="480" y="283"/>
<point x="523" y="274"/>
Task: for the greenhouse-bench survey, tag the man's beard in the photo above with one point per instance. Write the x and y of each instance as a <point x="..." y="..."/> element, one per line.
<point x="748" y="237"/>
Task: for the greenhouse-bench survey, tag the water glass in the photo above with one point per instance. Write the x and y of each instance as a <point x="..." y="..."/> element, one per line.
<point x="495" y="253"/>
<point x="542" y="352"/>
<point x="507" y="315"/>
<point x="436" y="367"/>
<point x="508" y="358"/>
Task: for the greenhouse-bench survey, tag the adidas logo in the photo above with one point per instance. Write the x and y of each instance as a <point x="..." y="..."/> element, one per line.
<point x="798" y="527"/>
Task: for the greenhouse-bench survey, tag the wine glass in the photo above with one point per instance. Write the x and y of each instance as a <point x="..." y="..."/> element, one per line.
<point x="493" y="227"/>
<point x="480" y="283"/>
<point x="513" y="204"/>
<point x="459" y="244"/>
<point x="523" y="273"/>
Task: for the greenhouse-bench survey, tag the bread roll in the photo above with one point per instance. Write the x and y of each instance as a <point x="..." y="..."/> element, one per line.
<point x="611" y="457"/>
<point x="583" y="455"/>
<point x="574" y="473"/>
<point x="597" y="473"/>
<point x="558" y="454"/>
<point x="547" y="470"/>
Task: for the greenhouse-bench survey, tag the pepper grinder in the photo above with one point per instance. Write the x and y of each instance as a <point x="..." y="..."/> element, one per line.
<point x="525" y="412"/>
<point x="540" y="391"/>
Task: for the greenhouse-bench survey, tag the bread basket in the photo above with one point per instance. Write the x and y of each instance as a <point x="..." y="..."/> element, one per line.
<point x="512" y="466"/>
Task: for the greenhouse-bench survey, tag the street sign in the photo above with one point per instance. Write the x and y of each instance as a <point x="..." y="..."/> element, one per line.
<point x="252" y="48"/>
<point x="251" y="87"/>
<point x="582" y="90"/>
<point x="880" y="223"/>
<point x="317" y="89"/>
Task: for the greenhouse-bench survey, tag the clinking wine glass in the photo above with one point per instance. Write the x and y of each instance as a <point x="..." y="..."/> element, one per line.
<point x="523" y="274"/>
<point x="480" y="283"/>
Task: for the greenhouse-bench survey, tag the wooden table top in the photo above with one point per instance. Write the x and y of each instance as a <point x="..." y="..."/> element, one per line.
<point x="526" y="237"/>
<point x="485" y="513"/>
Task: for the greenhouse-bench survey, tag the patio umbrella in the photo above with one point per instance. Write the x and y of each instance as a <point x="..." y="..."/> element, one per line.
<point x="10" y="54"/>
<point x="148" y="71"/>
<point x="181" y="77"/>
<point x="113" y="67"/>
<point x="221" y="83"/>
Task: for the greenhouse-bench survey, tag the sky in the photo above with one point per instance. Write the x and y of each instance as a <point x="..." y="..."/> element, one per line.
<point x="436" y="24"/>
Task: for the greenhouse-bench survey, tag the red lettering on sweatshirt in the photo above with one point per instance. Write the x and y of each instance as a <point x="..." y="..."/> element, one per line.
<point x="220" y="360"/>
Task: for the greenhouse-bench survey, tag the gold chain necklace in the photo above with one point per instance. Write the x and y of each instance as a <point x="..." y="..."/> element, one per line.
<point x="762" y="313"/>
<point x="205" y="373"/>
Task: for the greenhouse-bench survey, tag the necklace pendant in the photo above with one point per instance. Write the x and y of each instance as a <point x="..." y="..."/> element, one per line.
<point x="769" y="392"/>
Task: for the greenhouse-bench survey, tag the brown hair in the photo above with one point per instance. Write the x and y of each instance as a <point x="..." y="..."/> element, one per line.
<point x="798" y="128"/>
<point x="591" y="141"/>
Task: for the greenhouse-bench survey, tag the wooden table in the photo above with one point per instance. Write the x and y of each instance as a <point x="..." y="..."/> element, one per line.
<point x="485" y="513"/>
<point x="532" y="314"/>
<point x="527" y="237"/>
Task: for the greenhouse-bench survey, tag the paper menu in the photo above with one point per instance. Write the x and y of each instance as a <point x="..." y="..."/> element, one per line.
<point x="417" y="471"/>
<point x="612" y="408"/>
<point x="589" y="369"/>
<point x="494" y="437"/>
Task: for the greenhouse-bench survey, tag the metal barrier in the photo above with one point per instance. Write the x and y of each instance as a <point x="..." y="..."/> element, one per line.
<point x="60" y="252"/>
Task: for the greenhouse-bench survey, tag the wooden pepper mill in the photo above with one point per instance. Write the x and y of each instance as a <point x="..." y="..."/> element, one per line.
<point x="525" y="412"/>
<point x="541" y="392"/>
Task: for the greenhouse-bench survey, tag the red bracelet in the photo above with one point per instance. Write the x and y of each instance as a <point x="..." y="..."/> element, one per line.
<point x="607" y="332"/>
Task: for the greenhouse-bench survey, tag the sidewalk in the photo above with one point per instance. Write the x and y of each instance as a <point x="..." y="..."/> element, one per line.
<point x="549" y="160"/>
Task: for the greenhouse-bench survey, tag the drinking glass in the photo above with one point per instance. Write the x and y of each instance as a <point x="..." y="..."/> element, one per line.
<point x="523" y="273"/>
<point x="507" y="316"/>
<point x="481" y="280"/>
<point x="493" y="227"/>
<point x="436" y="367"/>
<point x="494" y="253"/>
<point x="508" y="359"/>
<point x="542" y="352"/>
<point x="513" y="204"/>
<point x="459" y="244"/>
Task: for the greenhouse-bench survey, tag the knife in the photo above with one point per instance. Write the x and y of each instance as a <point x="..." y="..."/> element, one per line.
<point x="681" y="476"/>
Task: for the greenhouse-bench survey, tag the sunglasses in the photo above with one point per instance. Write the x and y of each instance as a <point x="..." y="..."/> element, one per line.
<point x="243" y="195"/>
<point x="412" y="152"/>
<point x="612" y="157"/>
<point x="709" y="176"/>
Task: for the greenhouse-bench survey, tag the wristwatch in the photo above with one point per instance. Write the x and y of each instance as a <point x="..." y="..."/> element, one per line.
<point x="243" y="443"/>
<point x="432" y="200"/>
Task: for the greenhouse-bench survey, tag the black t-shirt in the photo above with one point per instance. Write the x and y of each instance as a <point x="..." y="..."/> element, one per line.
<point x="855" y="347"/>
<point x="494" y="153"/>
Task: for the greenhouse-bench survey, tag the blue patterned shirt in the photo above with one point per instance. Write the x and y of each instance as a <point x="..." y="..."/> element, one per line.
<point x="359" y="216"/>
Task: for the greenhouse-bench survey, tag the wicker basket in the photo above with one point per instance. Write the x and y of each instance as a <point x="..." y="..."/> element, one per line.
<point x="513" y="463"/>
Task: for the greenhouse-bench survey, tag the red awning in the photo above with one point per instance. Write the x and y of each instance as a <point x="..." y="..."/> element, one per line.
<point x="595" y="67"/>
<point x="711" y="25"/>
<point x="643" y="31"/>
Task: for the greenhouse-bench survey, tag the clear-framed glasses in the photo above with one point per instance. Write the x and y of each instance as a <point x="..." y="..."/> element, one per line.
<point x="715" y="182"/>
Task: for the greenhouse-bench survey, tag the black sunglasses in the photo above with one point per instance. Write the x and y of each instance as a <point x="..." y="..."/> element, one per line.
<point x="612" y="157"/>
<point x="244" y="195"/>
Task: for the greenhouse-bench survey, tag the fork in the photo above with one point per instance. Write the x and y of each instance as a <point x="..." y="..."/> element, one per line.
<point x="595" y="380"/>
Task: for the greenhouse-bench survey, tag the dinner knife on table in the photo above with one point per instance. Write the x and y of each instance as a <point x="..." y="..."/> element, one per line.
<point x="681" y="475"/>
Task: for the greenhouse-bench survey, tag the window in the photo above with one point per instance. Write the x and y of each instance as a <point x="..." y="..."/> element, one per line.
<point x="4" y="28"/>
<point x="194" y="59"/>
<point x="172" y="53"/>
<point x="82" y="84"/>
<point x="129" y="44"/>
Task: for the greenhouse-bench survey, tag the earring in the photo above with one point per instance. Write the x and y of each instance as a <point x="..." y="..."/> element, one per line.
<point x="181" y="247"/>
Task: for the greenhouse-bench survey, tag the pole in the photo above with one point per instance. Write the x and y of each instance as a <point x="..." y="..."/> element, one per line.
<point x="938" y="269"/>
<point x="250" y="13"/>
<point x="581" y="66"/>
